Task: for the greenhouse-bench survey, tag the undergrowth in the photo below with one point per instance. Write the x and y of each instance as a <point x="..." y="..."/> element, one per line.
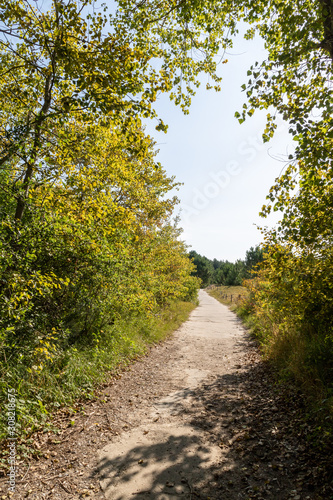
<point x="229" y="295"/>
<point x="77" y="371"/>
<point x="301" y="358"/>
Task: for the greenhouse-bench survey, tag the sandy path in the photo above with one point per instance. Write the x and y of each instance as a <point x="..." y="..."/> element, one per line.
<point x="167" y="456"/>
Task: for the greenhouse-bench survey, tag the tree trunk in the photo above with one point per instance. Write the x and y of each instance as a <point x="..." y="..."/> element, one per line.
<point x="327" y="10"/>
<point x="21" y="202"/>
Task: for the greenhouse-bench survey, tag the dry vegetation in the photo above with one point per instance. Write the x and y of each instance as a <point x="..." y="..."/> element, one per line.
<point x="229" y="295"/>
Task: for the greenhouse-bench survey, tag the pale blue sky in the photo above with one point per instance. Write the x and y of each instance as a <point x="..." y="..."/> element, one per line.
<point x="226" y="169"/>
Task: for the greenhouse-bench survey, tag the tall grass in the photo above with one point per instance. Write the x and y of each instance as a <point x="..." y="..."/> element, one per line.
<point x="301" y="356"/>
<point x="232" y="296"/>
<point x="78" y="370"/>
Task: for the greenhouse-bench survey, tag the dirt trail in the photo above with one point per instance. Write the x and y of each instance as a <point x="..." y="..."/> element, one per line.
<point x="198" y="417"/>
<point x="166" y="456"/>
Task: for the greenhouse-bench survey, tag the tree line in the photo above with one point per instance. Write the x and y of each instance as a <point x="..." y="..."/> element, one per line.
<point x="223" y="272"/>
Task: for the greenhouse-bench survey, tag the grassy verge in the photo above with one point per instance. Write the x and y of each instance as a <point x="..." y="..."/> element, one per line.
<point x="300" y="361"/>
<point x="77" y="372"/>
<point x="232" y="296"/>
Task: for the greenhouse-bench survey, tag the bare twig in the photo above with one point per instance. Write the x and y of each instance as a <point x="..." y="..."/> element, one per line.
<point x="25" y="475"/>
<point x="64" y="487"/>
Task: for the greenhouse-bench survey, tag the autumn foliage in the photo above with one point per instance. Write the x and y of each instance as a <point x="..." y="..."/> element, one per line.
<point x="90" y="256"/>
<point x="86" y="231"/>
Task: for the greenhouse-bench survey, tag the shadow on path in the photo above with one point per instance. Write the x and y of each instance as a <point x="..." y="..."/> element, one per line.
<point x="238" y="439"/>
<point x="168" y="468"/>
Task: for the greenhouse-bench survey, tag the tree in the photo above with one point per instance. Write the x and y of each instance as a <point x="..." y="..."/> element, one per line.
<point x="294" y="80"/>
<point x="54" y="66"/>
<point x="253" y="257"/>
<point x="79" y="185"/>
<point x="223" y="272"/>
<point x="97" y="243"/>
<point x="203" y="268"/>
<point x="72" y="62"/>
